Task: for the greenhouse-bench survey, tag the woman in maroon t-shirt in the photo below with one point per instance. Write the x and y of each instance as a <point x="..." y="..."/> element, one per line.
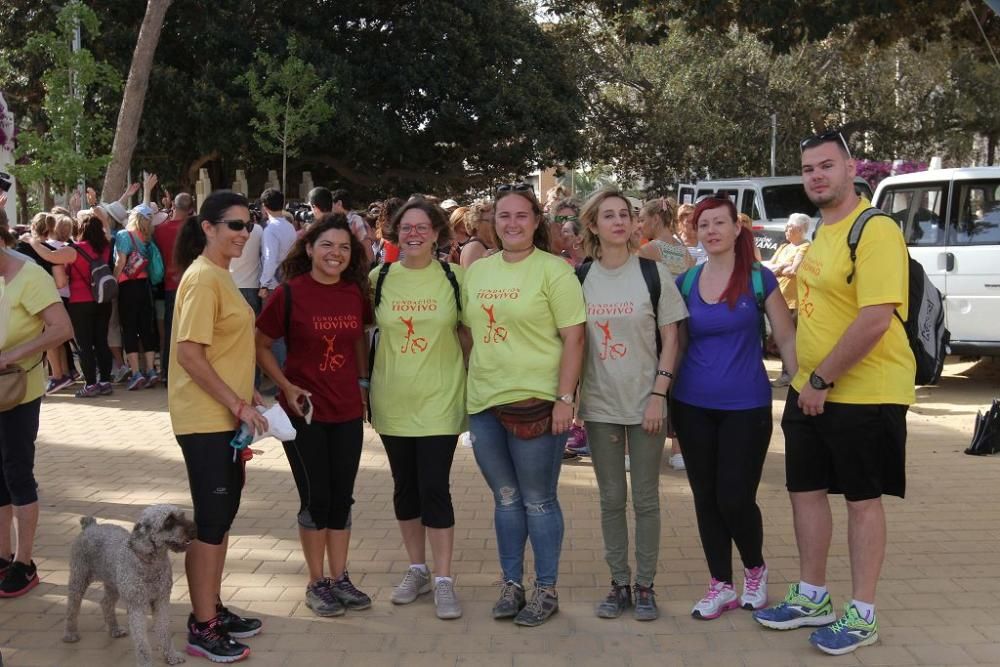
<point x="324" y="390"/>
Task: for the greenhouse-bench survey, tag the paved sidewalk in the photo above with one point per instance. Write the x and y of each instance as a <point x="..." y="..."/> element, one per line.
<point x="938" y="601"/>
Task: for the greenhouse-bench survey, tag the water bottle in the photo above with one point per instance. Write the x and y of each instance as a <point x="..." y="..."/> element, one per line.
<point x="241" y="440"/>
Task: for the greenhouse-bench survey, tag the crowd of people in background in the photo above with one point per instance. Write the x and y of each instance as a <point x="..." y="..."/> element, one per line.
<point x="533" y="331"/>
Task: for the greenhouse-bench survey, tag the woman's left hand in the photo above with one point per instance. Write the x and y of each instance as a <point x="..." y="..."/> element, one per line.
<point x="562" y="417"/>
<point x="364" y="404"/>
<point x="257" y="398"/>
<point x="655" y="415"/>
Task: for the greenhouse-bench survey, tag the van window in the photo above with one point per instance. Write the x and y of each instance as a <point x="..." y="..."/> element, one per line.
<point x="920" y="212"/>
<point x="748" y="204"/>
<point x="780" y="201"/>
<point x="978" y="214"/>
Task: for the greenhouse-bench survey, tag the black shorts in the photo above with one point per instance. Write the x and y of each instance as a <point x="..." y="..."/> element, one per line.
<point x="854" y="449"/>
<point x="216" y="482"/>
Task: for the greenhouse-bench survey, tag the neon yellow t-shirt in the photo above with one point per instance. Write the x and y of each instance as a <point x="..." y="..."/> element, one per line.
<point x="211" y="311"/>
<point x="29" y="293"/>
<point x="418" y="382"/>
<point x="828" y="305"/>
<point x="514" y="312"/>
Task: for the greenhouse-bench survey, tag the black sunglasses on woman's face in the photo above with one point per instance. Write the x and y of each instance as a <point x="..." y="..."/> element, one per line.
<point x="238" y="225"/>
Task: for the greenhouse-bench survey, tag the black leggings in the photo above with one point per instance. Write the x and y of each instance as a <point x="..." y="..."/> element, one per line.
<point x="18" y="430"/>
<point x="136" y="313"/>
<point x="421" y="467"/>
<point x="324" y="458"/>
<point x="724" y="454"/>
<point x="90" y="328"/>
<point x="216" y="482"/>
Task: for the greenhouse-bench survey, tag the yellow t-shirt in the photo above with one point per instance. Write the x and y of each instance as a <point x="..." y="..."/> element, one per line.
<point x="514" y="311"/>
<point x="418" y="381"/>
<point x="30" y="292"/>
<point x="786" y="254"/>
<point x="210" y="310"/>
<point x="828" y="305"/>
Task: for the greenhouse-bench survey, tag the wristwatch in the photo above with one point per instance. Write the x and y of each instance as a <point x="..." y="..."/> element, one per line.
<point x="818" y="383"/>
<point x="566" y="398"/>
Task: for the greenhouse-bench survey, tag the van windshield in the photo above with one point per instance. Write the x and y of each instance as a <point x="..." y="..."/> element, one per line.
<point x="780" y="201"/>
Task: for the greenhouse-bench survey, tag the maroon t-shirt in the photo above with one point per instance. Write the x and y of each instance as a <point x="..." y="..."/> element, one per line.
<point x="326" y="322"/>
<point x="164" y="235"/>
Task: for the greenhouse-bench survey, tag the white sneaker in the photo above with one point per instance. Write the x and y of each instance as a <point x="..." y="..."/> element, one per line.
<point x="628" y="464"/>
<point x="677" y="461"/>
<point x="445" y="601"/>
<point x="720" y="597"/>
<point x="415" y="582"/>
<point x="754" y="588"/>
<point x="465" y="439"/>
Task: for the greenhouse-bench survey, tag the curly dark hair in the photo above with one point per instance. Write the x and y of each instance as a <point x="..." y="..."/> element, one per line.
<point x="298" y="261"/>
<point x="383" y="225"/>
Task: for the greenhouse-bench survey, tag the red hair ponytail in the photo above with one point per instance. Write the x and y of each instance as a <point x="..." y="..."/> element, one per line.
<point x="739" y="281"/>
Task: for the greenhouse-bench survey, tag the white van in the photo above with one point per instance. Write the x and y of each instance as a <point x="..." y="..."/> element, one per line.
<point x="951" y="221"/>
<point x="767" y="200"/>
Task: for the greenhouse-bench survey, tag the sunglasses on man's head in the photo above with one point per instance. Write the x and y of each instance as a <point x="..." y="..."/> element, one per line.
<point x="565" y="218"/>
<point x="238" y="225"/>
<point x="822" y="138"/>
<point x="515" y="187"/>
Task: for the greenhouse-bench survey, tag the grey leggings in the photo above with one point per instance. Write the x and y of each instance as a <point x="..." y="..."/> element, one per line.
<point x="607" y="451"/>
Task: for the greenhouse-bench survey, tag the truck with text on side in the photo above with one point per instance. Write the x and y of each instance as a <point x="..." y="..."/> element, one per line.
<point x="767" y="200"/>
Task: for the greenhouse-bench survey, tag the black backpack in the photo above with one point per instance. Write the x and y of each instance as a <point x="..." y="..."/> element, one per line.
<point x="651" y="276"/>
<point x="449" y="274"/>
<point x="925" y="330"/>
<point x="103" y="285"/>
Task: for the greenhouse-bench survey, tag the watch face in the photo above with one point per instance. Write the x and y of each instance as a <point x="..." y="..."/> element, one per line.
<point x="816" y="382"/>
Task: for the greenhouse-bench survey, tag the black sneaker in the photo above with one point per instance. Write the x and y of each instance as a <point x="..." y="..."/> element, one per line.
<point x="544" y="603"/>
<point x="618" y="600"/>
<point x="511" y="600"/>
<point x="18" y="580"/>
<point x="348" y="593"/>
<point x="645" y="604"/>
<point x="237" y="626"/>
<point x="5" y="565"/>
<point x="210" y="640"/>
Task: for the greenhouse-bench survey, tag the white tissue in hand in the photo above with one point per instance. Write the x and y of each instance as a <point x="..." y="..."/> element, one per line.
<point x="278" y="424"/>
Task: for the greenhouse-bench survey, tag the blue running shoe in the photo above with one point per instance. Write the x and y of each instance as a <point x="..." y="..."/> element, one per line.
<point x="797" y="610"/>
<point x="847" y="634"/>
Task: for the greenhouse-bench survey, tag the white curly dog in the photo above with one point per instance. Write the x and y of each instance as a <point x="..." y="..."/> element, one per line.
<point x="134" y="566"/>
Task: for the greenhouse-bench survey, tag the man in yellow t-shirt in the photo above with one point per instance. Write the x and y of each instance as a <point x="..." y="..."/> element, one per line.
<point x="845" y="417"/>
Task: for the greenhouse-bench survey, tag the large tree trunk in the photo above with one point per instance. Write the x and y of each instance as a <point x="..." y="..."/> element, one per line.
<point x="991" y="149"/>
<point x="130" y="114"/>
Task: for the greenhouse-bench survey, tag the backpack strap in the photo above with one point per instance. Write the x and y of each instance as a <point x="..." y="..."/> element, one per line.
<point x="690" y="278"/>
<point x="449" y="274"/>
<point x="652" y="277"/>
<point x="582" y="271"/>
<point x="757" y="282"/>
<point x="288" y="314"/>
<point x="854" y="236"/>
<point x="382" y="273"/>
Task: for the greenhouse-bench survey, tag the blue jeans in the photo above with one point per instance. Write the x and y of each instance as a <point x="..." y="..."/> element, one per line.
<point x="523" y="476"/>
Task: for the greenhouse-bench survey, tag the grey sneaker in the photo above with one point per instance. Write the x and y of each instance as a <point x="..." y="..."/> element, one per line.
<point x="445" y="600"/>
<point x="321" y="600"/>
<point x="511" y="600"/>
<point x="544" y="603"/>
<point x="645" y="604"/>
<point x="415" y="582"/>
<point x="618" y="600"/>
<point x="348" y="593"/>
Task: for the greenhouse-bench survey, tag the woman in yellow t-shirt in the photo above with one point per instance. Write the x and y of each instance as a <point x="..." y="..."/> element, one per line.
<point x="37" y="322"/>
<point x="418" y="396"/>
<point x="525" y="310"/>
<point x="210" y="392"/>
